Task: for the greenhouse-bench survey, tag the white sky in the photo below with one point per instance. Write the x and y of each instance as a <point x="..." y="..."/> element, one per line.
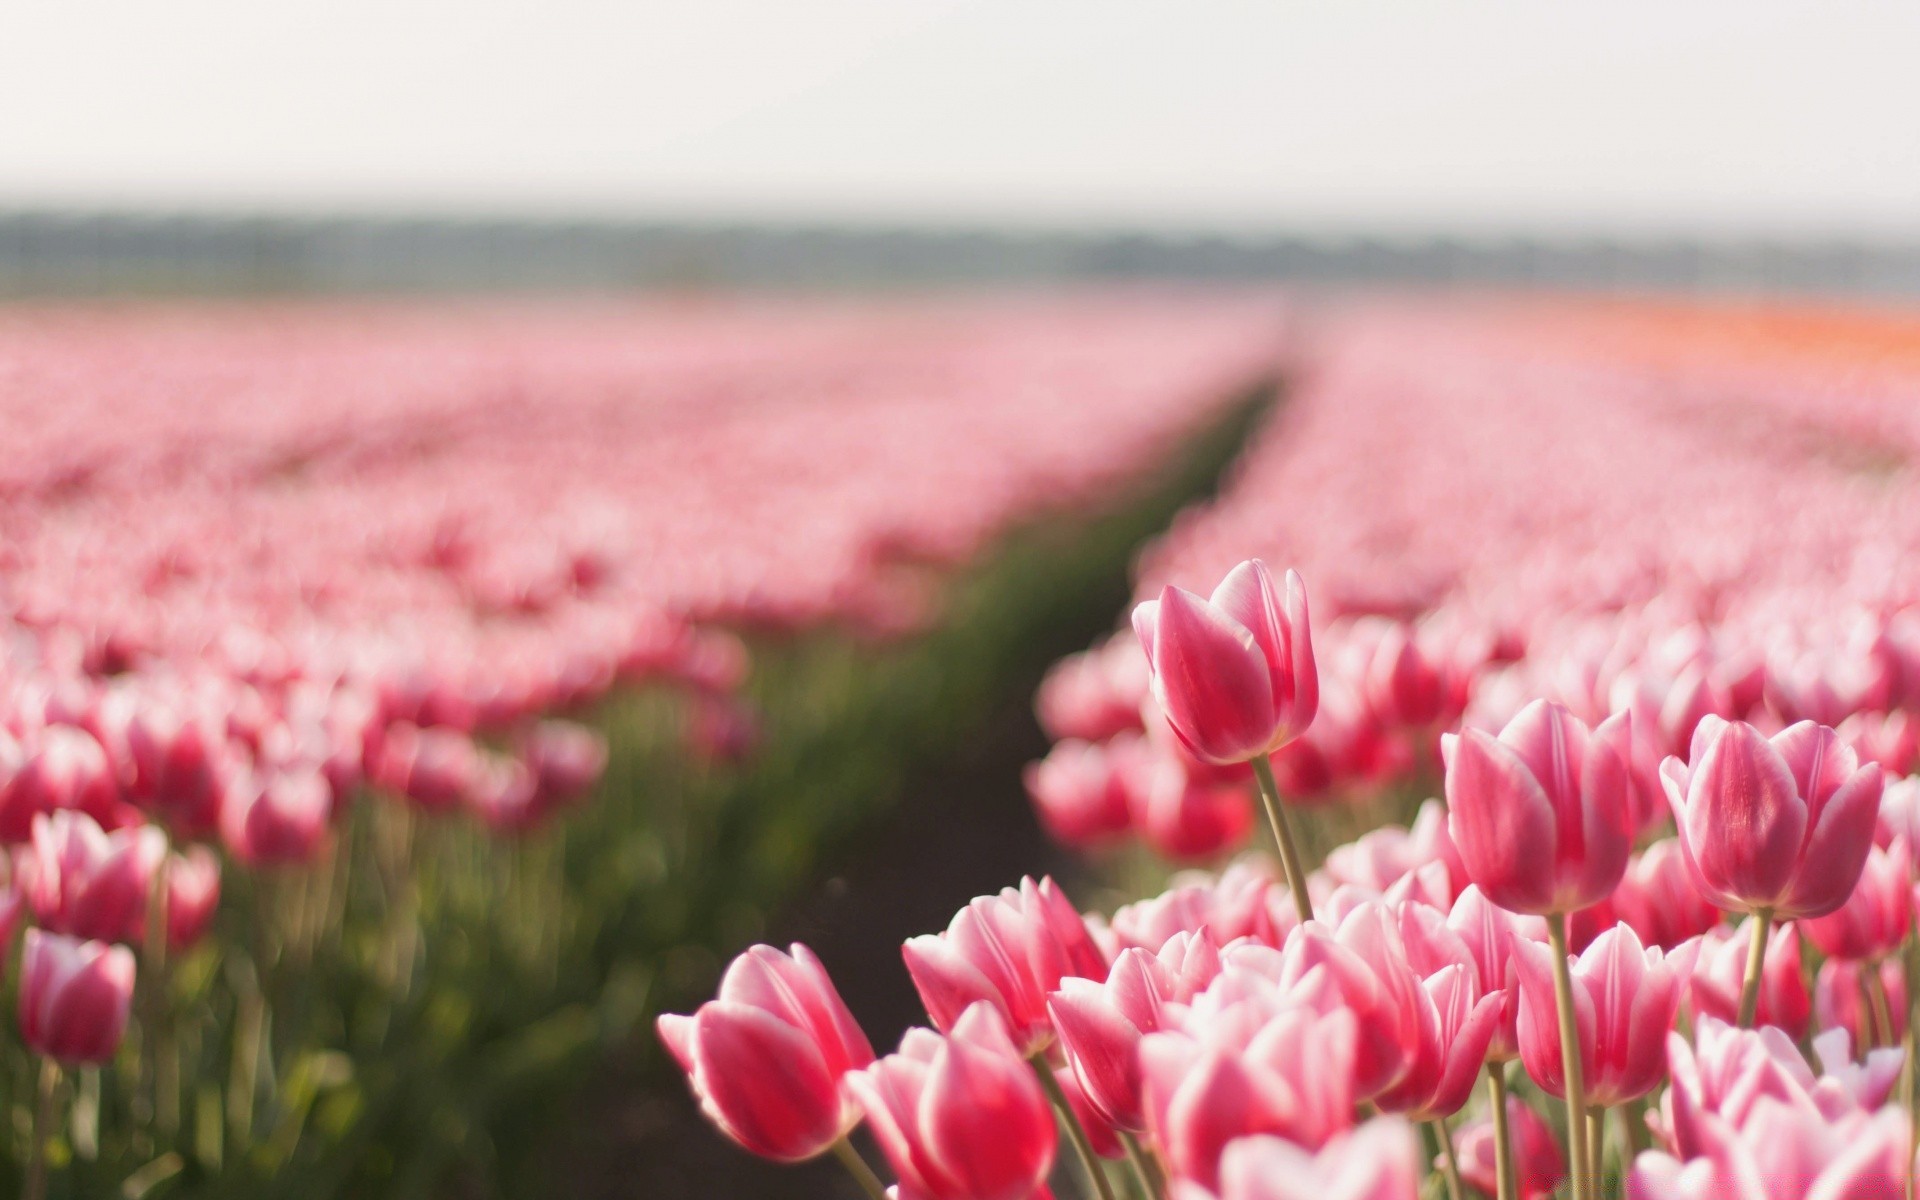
<point x="1694" y="117"/>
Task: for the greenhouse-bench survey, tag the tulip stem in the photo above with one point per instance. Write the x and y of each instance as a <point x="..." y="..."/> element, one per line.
<point x="1570" y="1059"/>
<point x="858" y="1168"/>
<point x="1502" y="1135"/>
<point x="1911" y="1041"/>
<point x="1096" y="1175"/>
<point x="1597" y="1146"/>
<point x="1756" y="962"/>
<point x="1449" y="1164"/>
<point x="35" y="1185"/>
<point x="1283" y="833"/>
<point x="1151" y="1185"/>
<point x="1879" y="1004"/>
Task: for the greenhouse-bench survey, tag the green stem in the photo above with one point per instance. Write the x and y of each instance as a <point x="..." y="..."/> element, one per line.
<point x="1502" y="1135"/>
<point x="1283" y="834"/>
<point x="35" y="1185"/>
<point x="1449" y="1164"/>
<point x="858" y="1168"/>
<point x="1144" y="1168"/>
<point x="1879" y="1004"/>
<point x="1756" y="962"/>
<point x="1577" y="1157"/>
<point x="1096" y="1174"/>
<point x="1597" y="1146"/>
<point x="1910" y="1080"/>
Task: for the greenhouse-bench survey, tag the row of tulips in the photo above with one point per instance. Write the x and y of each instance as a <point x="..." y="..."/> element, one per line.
<point x="311" y="611"/>
<point x="1251" y="1036"/>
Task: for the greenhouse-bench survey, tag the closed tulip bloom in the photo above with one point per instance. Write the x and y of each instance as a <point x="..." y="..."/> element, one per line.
<point x="1488" y="932"/>
<point x="1401" y="683"/>
<point x="1786" y="1153"/>
<point x="1239" y="902"/>
<point x="1080" y="793"/>
<point x="960" y="1117"/>
<point x="180" y="768"/>
<point x="74" y="996"/>
<point x="566" y="760"/>
<point x="1541" y="815"/>
<point x="65" y="768"/>
<point x="1658" y="898"/>
<point x="1875" y="918"/>
<point x="1184" y="816"/>
<point x="1899" y="812"/>
<point x="278" y="818"/>
<point x="1539" y="1166"/>
<point x="1844" y="998"/>
<point x="1010" y="950"/>
<point x="1456" y="1025"/>
<point x="1234" y="673"/>
<point x="767" y="1055"/>
<point x="83" y="881"/>
<point x="193" y="895"/>
<point x="1720" y="970"/>
<point x="1780" y="825"/>
<point x="1625" y="997"/>
<point x="1363" y="969"/>
<point x="1377" y="1161"/>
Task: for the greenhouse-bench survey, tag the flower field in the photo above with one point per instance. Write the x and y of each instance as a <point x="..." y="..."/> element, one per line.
<point x="403" y="699"/>
<point x="1548" y="824"/>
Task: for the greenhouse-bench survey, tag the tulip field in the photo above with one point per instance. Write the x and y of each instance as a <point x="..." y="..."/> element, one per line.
<point x="403" y="699"/>
<point x="1541" y="822"/>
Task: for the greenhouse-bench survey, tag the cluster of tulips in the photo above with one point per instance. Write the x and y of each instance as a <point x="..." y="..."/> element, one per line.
<point x="1260" y="1036"/>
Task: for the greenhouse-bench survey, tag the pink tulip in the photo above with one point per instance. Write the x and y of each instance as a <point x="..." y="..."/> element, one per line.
<point x="1185" y="817"/>
<point x="1890" y="739"/>
<point x="83" y="881"/>
<point x="1402" y="684"/>
<point x="437" y="768"/>
<point x="1899" y="812"/>
<point x="1101" y="1024"/>
<point x="1362" y="968"/>
<point x="278" y="818"/>
<point x="1843" y="999"/>
<point x="1781" y="825"/>
<point x="1377" y="1161"/>
<point x="1241" y="901"/>
<point x="180" y="768"/>
<point x="1719" y="973"/>
<point x="766" y="1057"/>
<point x="1234" y="673"/>
<point x="74" y="997"/>
<point x="1875" y="918"/>
<point x="1010" y="950"/>
<point x="1783" y="1153"/>
<point x="1080" y="793"/>
<point x="565" y="759"/>
<point x="1539" y="1166"/>
<point x="1382" y="857"/>
<point x="66" y="769"/>
<point x="1541" y="814"/>
<point x="1457" y="1023"/>
<point x="1658" y="898"/>
<point x="960" y="1117"/>
<point x="1488" y="933"/>
<point x="1625" y="998"/>
<point x="193" y="895"/>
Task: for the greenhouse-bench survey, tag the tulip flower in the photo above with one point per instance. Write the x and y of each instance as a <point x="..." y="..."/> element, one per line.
<point x="1779" y="828"/>
<point x="1237" y="903"/>
<point x="1080" y="793"/>
<point x="193" y="895"/>
<point x="1010" y="950"/>
<point x="279" y="818"/>
<point x="83" y="881"/>
<point x="1235" y="676"/>
<point x="1719" y="976"/>
<point x="1540" y="1166"/>
<point x="1101" y="1024"/>
<point x="766" y="1057"/>
<point x="1234" y="673"/>
<point x="74" y="997"/>
<point x="1876" y="917"/>
<point x="1625" y="996"/>
<point x="960" y="1117"/>
<point x="1363" y="969"/>
<point x="1868" y="1000"/>
<point x="66" y="769"/>
<point x="1377" y="1161"/>
<point x="1183" y="816"/>
<point x="181" y="768"/>
<point x="1540" y="814"/>
<point x="1658" y="898"/>
<point x="1456" y="1023"/>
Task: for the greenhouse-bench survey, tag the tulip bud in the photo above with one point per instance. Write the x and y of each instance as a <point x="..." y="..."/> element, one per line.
<point x="74" y="997"/>
<point x="1625" y="998"/>
<point x="83" y="881"/>
<point x="1781" y="824"/>
<point x="1541" y="815"/>
<point x="1234" y="673"/>
<point x="278" y="818"/>
<point x="767" y="1056"/>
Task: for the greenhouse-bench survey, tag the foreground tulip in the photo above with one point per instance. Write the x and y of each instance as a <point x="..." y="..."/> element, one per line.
<point x="1775" y="827"/>
<point x="1010" y="950"/>
<point x="1377" y="1161"/>
<point x="81" y="880"/>
<point x="767" y="1056"/>
<point x="1235" y="676"/>
<point x="74" y="997"/>
<point x="960" y="1117"/>
<point x="1540" y="814"/>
